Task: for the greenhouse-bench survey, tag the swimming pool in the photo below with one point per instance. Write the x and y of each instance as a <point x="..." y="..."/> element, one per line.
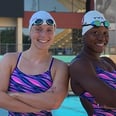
<point x="71" y="106"/>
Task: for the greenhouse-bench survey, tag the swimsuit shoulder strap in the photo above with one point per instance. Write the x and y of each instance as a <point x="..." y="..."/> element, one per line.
<point x="51" y="64"/>
<point x="18" y="58"/>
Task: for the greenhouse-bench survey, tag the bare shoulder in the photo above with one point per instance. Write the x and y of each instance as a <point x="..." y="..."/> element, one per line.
<point x="82" y="68"/>
<point x="60" y="67"/>
<point x="9" y="58"/>
<point x="79" y="65"/>
<point x="60" y="63"/>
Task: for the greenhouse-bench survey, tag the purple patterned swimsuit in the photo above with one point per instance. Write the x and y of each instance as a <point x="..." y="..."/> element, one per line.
<point x="110" y="79"/>
<point x="21" y="82"/>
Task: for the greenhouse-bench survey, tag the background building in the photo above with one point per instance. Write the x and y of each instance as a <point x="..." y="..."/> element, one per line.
<point x="14" y="18"/>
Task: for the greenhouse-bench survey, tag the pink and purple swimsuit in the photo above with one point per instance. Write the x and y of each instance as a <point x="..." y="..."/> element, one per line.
<point x="21" y="82"/>
<point x="110" y="79"/>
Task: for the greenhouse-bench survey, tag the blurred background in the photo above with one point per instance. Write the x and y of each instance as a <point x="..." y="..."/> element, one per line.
<point x="15" y="14"/>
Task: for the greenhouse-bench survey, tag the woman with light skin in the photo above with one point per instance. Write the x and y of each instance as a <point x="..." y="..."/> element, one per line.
<point x="32" y="82"/>
<point x="93" y="78"/>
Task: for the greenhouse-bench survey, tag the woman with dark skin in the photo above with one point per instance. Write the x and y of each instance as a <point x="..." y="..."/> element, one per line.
<point x="93" y="79"/>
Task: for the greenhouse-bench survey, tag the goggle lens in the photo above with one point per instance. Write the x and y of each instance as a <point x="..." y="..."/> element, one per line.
<point x="96" y="23"/>
<point x="38" y="22"/>
<point x="106" y="23"/>
<point x="50" y="22"/>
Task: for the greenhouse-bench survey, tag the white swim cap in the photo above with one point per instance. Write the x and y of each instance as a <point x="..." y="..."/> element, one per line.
<point x="89" y="17"/>
<point x="40" y="15"/>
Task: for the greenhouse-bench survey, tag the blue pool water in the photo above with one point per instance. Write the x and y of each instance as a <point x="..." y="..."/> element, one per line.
<point x="71" y="106"/>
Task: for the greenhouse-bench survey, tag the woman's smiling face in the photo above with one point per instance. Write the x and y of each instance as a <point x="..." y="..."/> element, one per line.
<point x="96" y="39"/>
<point x="42" y="36"/>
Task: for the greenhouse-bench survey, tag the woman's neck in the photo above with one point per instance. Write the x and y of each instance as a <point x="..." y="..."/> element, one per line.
<point x="36" y="55"/>
<point x="90" y="55"/>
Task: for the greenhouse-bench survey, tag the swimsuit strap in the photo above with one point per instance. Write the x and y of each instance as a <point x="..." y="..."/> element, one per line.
<point x="51" y="64"/>
<point x="18" y="58"/>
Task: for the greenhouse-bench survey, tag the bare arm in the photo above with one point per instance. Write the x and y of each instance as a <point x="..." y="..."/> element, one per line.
<point x="83" y="73"/>
<point x="6" y="101"/>
<point x="52" y="98"/>
<point x="14" y="105"/>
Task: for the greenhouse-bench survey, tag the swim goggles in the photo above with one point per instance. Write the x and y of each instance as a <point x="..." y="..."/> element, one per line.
<point x="97" y="23"/>
<point x="41" y="22"/>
